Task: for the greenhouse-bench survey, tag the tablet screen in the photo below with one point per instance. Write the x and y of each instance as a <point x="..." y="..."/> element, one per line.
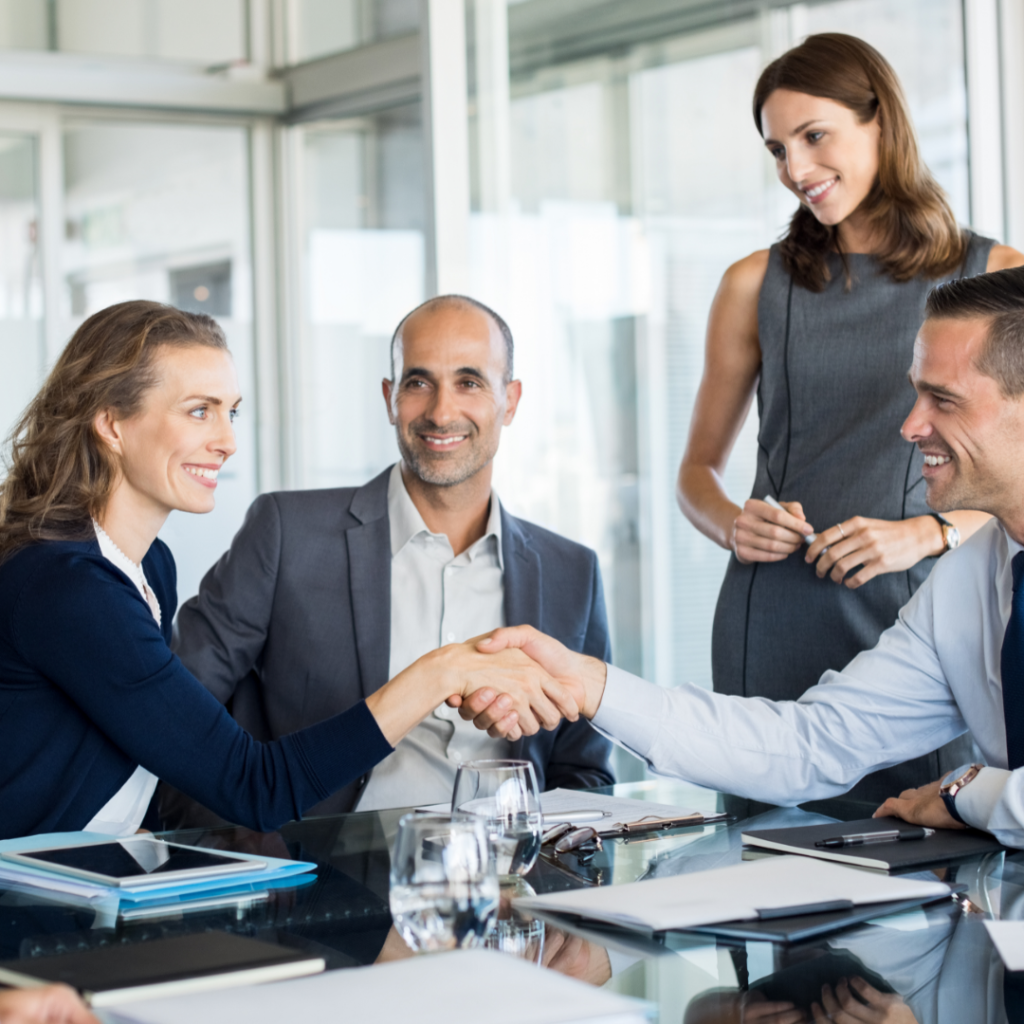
<point x="134" y="859"/>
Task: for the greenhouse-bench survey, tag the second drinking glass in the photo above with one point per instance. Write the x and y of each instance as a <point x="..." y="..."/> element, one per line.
<point x="504" y="794"/>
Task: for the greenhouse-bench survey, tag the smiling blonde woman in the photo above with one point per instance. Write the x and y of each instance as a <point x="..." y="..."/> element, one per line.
<point x="134" y="421"/>
<point x="821" y="328"/>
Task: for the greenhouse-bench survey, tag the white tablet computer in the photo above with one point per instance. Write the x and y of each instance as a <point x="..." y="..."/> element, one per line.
<point x="136" y="862"/>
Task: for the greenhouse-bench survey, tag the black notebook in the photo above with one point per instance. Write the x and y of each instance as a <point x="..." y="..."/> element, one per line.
<point x="945" y="846"/>
<point x="162" y="967"/>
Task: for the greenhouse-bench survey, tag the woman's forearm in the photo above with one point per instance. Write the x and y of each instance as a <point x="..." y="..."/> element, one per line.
<point x="703" y="501"/>
<point x="404" y="701"/>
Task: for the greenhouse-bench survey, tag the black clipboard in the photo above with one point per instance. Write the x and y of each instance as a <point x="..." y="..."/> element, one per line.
<point x="803" y="926"/>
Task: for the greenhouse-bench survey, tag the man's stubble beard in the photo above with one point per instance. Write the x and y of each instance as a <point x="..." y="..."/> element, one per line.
<point x="442" y="473"/>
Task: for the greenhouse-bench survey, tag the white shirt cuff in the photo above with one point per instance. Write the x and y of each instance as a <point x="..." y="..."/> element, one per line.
<point x="631" y="711"/>
<point x="977" y="801"/>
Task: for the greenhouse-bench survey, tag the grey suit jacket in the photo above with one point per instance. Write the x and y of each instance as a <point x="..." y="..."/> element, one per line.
<point x="293" y="625"/>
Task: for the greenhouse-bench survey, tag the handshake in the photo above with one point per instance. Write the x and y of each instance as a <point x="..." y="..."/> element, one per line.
<point x="516" y="681"/>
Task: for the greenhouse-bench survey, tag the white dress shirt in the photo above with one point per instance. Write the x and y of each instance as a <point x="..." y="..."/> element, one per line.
<point x="122" y="814"/>
<point x="932" y="676"/>
<point x="436" y="599"/>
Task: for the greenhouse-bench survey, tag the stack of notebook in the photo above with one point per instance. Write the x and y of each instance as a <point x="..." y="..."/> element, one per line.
<point x="134" y="896"/>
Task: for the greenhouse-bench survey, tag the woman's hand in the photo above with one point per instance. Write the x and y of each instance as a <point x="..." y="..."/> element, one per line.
<point x="876" y="545"/>
<point x="54" y="1004"/>
<point x="761" y="533"/>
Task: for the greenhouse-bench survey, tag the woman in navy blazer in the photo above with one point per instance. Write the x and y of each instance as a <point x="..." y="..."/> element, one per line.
<point x="133" y="422"/>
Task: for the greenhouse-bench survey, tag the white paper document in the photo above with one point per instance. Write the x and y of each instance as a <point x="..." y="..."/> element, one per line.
<point x="444" y="988"/>
<point x="734" y="893"/>
<point x="1008" y="938"/>
<point x="558" y="805"/>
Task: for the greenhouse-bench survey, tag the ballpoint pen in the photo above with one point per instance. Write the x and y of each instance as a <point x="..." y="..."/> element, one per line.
<point x="769" y="500"/>
<point x="579" y="815"/>
<point x="867" y="838"/>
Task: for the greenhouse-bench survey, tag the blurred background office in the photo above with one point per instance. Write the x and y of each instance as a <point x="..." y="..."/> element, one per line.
<point x="306" y="171"/>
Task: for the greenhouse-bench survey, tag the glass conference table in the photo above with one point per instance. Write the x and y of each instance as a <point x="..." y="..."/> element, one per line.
<point x="938" y="958"/>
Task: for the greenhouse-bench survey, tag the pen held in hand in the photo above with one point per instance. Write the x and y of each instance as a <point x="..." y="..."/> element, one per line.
<point x="769" y="500"/>
<point x="869" y="838"/>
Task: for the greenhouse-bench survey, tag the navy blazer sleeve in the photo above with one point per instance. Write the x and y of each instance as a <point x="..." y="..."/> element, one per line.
<point x="111" y="691"/>
<point x="581" y="756"/>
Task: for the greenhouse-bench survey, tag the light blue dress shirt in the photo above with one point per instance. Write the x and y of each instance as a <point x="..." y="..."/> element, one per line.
<point x="932" y="675"/>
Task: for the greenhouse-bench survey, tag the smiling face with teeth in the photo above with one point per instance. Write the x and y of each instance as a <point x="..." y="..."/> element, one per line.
<point x="450" y="399"/>
<point x="823" y="154"/>
<point x="970" y="432"/>
<point x="171" y="451"/>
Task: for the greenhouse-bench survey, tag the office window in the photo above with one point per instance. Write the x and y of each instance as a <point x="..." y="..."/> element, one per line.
<point x="21" y="293"/>
<point x="210" y="31"/>
<point x="161" y="211"/>
<point x="316" y="28"/>
<point x="361" y="257"/>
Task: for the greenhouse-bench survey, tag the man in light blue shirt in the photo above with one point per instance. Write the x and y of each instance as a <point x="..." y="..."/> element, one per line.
<point x="953" y="661"/>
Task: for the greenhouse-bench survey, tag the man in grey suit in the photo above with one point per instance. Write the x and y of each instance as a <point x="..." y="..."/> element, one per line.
<point x="324" y="595"/>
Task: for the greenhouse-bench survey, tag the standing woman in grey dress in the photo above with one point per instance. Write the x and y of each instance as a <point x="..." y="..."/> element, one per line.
<point x="821" y="328"/>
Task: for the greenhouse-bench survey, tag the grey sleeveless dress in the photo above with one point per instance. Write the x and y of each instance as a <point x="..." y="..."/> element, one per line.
<point x="832" y="396"/>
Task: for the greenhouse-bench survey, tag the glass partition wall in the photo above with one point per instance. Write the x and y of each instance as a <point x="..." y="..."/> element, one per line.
<point x="22" y="343"/>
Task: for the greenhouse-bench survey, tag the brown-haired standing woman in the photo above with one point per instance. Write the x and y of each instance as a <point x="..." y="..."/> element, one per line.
<point x="821" y="328"/>
<point x="135" y="421"/>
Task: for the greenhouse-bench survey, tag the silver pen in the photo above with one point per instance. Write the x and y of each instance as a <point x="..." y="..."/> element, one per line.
<point x="582" y="814"/>
<point x="769" y="500"/>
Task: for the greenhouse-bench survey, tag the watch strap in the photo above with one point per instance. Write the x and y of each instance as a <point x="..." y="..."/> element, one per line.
<point x="949" y="799"/>
<point x="944" y="525"/>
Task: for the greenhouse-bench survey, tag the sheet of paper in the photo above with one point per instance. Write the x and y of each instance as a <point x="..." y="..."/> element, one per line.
<point x="734" y="893"/>
<point x="559" y="805"/>
<point x="445" y="988"/>
<point x="1008" y="938"/>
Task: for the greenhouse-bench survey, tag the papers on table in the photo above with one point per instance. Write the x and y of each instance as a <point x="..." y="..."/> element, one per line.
<point x="1008" y="938"/>
<point x="559" y="805"/>
<point x="741" y="892"/>
<point x="602" y="812"/>
<point x="445" y="988"/>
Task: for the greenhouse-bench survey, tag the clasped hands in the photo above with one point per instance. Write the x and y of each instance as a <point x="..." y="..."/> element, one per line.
<point x="522" y="681"/>
<point x="761" y="533"/>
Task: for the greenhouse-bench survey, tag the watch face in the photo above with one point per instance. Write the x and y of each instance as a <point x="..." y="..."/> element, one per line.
<point x="955" y="775"/>
<point x="952" y="538"/>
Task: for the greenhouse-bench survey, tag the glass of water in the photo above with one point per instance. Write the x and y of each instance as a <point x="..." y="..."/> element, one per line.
<point x="444" y="887"/>
<point x="504" y="795"/>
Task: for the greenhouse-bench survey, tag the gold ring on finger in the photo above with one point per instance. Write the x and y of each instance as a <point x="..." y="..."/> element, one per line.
<point x="839" y="527"/>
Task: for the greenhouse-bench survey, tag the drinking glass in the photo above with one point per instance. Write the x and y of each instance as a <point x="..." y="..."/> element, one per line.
<point x="504" y="795"/>
<point x="444" y="888"/>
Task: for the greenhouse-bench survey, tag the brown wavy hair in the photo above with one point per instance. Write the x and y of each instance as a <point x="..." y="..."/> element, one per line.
<point x="906" y="206"/>
<point x="60" y="473"/>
